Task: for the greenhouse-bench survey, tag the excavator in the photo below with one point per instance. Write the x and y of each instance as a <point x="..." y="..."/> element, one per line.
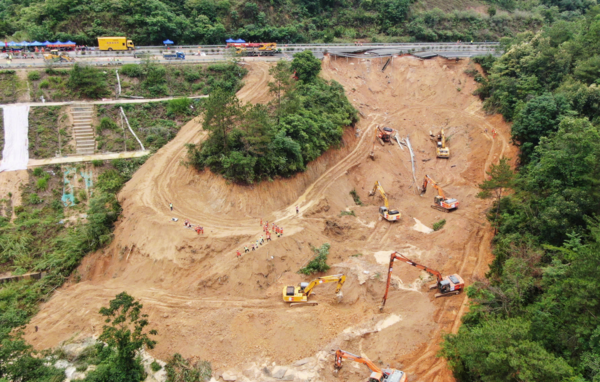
<point x="448" y="285"/>
<point x="384" y="135"/>
<point x="441" y="203"/>
<point x="441" y="150"/>
<point x="389" y="215"/>
<point x="377" y="375"/>
<point x="55" y="56"/>
<point x="298" y="295"/>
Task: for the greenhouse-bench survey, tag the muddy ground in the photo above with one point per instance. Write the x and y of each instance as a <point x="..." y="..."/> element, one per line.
<point x="207" y="303"/>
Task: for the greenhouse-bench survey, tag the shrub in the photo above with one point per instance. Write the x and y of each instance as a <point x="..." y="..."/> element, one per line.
<point x="42" y="184"/>
<point x="155" y="366"/>
<point x="179" y="106"/>
<point x="319" y="262"/>
<point x="88" y="81"/>
<point x="107" y="124"/>
<point x="97" y="163"/>
<point x="44" y="84"/>
<point x="180" y="369"/>
<point x="347" y="213"/>
<point x="439" y="225"/>
<point x="132" y="70"/>
<point x="38" y="171"/>
<point x="82" y="195"/>
<point x="33" y="76"/>
<point x="34" y="199"/>
<point x="356" y="198"/>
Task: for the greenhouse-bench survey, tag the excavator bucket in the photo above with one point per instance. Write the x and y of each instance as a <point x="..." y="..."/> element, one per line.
<point x="339" y="296"/>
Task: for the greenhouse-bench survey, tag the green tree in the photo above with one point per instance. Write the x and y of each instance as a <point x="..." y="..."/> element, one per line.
<point x="88" y="81"/>
<point x="124" y="337"/>
<point x="306" y="66"/>
<point x="282" y="79"/>
<point x="501" y="177"/>
<point x="222" y="110"/>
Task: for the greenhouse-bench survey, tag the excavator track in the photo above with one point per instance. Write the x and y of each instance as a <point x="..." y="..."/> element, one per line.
<point x="447" y="294"/>
<point x="298" y="304"/>
<point x="435" y="207"/>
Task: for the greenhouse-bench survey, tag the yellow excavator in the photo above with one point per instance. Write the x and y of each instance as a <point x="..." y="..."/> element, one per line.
<point x="377" y="374"/>
<point x="389" y="215"/>
<point x="441" y="150"/>
<point x="56" y="56"/>
<point x="298" y="295"/>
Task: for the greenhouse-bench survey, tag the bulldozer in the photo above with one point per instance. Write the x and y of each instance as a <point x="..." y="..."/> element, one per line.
<point x="56" y="56"/>
<point x="385" y="212"/>
<point x="377" y="374"/>
<point x="441" y="203"/>
<point x="298" y="295"/>
<point x="446" y="286"/>
<point x="441" y="150"/>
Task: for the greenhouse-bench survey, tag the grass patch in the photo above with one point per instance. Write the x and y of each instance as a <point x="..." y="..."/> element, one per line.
<point x="46" y="124"/>
<point x="10" y="86"/>
<point x="319" y="262"/>
<point x="356" y="255"/>
<point x="356" y="198"/>
<point x="347" y="213"/>
<point x="439" y="225"/>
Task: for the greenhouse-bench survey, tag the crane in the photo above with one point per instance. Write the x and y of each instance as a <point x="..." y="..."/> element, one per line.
<point x="440" y="201"/>
<point x="389" y="215"/>
<point x="377" y="375"/>
<point x="448" y="285"/>
<point x="442" y="151"/>
<point x="301" y="293"/>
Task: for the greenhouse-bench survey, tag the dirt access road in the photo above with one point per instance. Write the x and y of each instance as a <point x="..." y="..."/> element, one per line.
<point x="207" y="303"/>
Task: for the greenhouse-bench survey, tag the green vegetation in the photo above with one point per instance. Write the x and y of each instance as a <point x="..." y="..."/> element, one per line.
<point x="180" y="369"/>
<point x="255" y="142"/>
<point x="40" y="239"/>
<point x="319" y="262"/>
<point x="46" y="124"/>
<point x="121" y="340"/>
<point x="439" y="225"/>
<point x="536" y="316"/>
<point x="155" y="366"/>
<point x="356" y="198"/>
<point x="154" y="123"/>
<point x="88" y="82"/>
<point x="10" y="86"/>
<point x="347" y="213"/>
<point x="212" y="21"/>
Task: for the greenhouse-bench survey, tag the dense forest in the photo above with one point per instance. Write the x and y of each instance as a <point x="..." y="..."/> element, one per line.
<point x="255" y="142"/>
<point x="536" y="317"/>
<point x="286" y="21"/>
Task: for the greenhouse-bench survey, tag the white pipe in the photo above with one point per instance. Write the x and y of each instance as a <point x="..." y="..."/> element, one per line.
<point x="130" y="129"/>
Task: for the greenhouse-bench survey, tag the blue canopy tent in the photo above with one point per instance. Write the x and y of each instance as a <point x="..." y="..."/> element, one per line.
<point x="70" y="43"/>
<point x="168" y="42"/>
<point x="23" y="43"/>
<point x="57" y="43"/>
<point x="230" y="40"/>
<point x="239" y="41"/>
<point x="47" y="43"/>
<point x="12" y="43"/>
<point x="36" y="43"/>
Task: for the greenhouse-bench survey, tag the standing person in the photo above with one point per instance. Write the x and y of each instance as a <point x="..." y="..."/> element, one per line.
<point x="238" y="253"/>
<point x="261" y="222"/>
<point x="171" y="206"/>
<point x="281" y="230"/>
<point x="297" y="210"/>
<point x="246" y="250"/>
<point x="253" y="247"/>
<point x="202" y="230"/>
<point x="262" y="240"/>
<point x="197" y="230"/>
<point x="186" y="223"/>
<point x="268" y="236"/>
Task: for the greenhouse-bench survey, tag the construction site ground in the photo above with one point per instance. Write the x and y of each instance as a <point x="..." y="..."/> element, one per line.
<point x="206" y="303"/>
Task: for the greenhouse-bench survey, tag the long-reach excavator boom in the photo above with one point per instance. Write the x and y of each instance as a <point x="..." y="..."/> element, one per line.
<point x="389" y="215"/>
<point x="377" y="375"/>
<point x="452" y="284"/>
<point x="441" y="203"/>
<point x="302" y="292"/>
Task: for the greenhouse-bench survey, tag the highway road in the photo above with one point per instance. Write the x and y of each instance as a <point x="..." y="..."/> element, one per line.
<point x="208" y="54"/>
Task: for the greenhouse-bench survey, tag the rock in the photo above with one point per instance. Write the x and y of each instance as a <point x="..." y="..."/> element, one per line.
<point x="69" y="371"/>
<point x="289" y="376"/>
<point x="62" y="364"/>
<point x="279" y="372"/>
<point x="229" y="376"/>
<point x="302" y="362"/>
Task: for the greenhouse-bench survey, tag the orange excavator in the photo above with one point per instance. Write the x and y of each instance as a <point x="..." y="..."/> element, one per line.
<point x="448" y="285"/>
<point x="441" y="203"/>
<point x="384" y="135"/>
<point x="377" y="375"/>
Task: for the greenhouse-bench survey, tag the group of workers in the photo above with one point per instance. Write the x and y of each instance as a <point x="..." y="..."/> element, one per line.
<point x="268" y="229"/>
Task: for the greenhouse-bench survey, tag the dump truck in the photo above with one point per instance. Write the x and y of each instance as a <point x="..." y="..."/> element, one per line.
<point x="115" y="43"/>
<point x="174" y="56"/>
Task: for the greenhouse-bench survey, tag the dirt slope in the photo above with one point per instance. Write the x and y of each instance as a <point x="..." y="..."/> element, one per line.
<point x="207" y="303"/>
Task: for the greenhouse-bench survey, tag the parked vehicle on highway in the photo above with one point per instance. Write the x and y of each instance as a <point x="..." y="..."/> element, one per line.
<point x="174" y="56"/>
<point x="115" y="43"/>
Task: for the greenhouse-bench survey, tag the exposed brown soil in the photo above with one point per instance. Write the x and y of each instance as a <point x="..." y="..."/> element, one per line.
<point x="205" y="302"/>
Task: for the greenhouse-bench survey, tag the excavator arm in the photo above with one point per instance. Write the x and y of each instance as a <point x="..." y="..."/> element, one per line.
<point x="379" y="188"/>
<point x="443" y="139"/>
<point x="341" y="354"/>
<point x="428" y="180"/>
<point x="400" y="257"/>
<point x="340" y="279"/>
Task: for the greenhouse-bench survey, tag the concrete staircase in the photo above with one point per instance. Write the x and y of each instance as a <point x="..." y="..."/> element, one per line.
<point x="82" y="129"/>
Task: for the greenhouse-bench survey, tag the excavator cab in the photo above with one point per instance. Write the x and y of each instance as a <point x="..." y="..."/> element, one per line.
<point x="389" y="215"/>
<point x="376" y="377"/>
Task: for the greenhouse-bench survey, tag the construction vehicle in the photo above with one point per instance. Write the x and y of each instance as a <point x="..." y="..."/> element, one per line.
<point x="385" y="135"/>
<point x="56" y="56"/>
<point x="441" y="150"/>
<point x="174" y="56"/>
<point x="441" y="203"/>
<point x="298" y="295"/>
<point x="256" y="49"/>
<point x="389" y="215"/>
<point x="448" y="285"/>
<point x="377" y="374"/>
<point x="115" y="43"/>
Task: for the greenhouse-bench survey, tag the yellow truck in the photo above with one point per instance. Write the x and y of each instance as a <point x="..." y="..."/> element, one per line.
<point x="115" y="43"/>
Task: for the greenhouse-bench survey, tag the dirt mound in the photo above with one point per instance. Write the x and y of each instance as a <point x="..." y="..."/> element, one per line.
<point x="205" y="302"/>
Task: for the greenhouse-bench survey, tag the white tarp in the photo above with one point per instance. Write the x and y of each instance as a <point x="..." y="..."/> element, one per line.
<point x="16" y="144"/>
